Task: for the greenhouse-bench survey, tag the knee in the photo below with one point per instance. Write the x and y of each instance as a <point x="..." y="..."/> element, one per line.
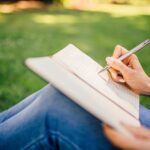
<point x="48" y="95"/>
<point x="61" y="108"/>
<point x="62" y="112"/>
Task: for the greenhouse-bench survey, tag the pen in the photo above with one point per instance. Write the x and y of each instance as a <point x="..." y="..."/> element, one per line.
<point x="132" y="51"/>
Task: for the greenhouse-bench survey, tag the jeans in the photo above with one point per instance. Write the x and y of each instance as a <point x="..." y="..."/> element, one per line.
<point x="50" y="120"/>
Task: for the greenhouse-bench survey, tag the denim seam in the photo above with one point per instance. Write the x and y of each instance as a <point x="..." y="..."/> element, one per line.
<point x="63" y="138"/>
<point x="33" y="142"/>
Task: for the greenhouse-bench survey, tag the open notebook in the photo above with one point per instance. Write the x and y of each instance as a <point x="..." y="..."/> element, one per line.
<point x="76" y="75"/>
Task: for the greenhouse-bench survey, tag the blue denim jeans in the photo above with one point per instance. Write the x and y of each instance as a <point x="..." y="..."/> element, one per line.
<point x="50" y="120"/>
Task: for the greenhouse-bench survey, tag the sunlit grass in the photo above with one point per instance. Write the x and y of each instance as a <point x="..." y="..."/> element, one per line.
<point x="52" y="19"/>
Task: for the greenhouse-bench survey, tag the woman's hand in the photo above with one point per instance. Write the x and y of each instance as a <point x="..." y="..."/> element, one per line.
<point x="129" y="71"/>
<point x="141" y="138"/>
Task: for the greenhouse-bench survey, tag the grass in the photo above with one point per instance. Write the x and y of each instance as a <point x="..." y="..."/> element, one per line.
<point x="43" y="32"/>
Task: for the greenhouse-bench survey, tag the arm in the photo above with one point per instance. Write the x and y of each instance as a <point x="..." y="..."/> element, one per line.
<point x="129" y="71"/>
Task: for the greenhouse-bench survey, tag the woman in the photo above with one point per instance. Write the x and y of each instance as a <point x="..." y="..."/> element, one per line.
<point x="50" y="120"/>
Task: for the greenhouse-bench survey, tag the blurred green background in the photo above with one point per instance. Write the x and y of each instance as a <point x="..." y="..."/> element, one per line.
<point x="93" y="26"/>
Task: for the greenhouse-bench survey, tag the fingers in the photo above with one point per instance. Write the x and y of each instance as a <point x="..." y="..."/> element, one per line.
<point x="140" y="132"/>
<point x="119" y="51"/>
<point x="119" y="140"/>
<point x="118" y="65"/>
<point x="134" y="63"/>
<point x="131" y="60"/>
<point x="123" y="142"/>
<point x="116" y="76"/>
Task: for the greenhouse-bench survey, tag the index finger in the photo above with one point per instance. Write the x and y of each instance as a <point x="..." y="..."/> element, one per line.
<point x="119" y="51"/>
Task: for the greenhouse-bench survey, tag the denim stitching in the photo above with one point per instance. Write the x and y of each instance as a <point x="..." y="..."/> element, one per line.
<point x="33" y="142"/>
<point x="63" y="138"/>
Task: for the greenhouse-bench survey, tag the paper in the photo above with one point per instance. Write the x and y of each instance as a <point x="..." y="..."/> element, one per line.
<point x="87" y="69"/>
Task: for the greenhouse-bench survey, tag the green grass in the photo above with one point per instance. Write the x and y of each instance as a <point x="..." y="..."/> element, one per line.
<point x="39" y="33"/>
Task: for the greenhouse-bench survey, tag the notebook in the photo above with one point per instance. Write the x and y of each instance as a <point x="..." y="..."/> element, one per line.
<point x="76" y="75"/>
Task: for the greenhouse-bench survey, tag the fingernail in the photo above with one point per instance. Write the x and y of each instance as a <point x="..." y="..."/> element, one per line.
<point x="122" y="80"/>
<point x="109" y="60"/>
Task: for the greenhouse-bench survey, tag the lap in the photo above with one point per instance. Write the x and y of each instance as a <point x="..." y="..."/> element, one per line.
<point x="56" y="121"/>
<point x="52" y="120"/>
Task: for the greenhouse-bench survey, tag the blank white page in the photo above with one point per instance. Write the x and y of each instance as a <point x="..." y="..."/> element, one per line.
<point x="87" y="69"/>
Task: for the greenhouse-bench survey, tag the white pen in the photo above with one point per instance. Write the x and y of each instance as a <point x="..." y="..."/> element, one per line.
<point x="132" y="51"/>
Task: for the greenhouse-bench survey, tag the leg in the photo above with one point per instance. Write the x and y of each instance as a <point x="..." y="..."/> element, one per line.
<point x="53" y="121"/>
<point x="145" y="116"/>
<point x="18" y="107"/>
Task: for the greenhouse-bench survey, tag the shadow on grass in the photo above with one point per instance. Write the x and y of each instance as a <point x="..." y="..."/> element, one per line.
<point x="39" y="33"/>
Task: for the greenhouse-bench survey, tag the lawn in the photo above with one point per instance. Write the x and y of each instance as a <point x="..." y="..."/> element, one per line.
<point x="43" y="32"/>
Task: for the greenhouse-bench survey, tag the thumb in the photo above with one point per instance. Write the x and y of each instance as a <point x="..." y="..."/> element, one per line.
<point x="118" y="65"/>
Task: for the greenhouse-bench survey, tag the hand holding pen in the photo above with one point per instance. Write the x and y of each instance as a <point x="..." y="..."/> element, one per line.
<point x="129" y="70"/>
<point x="128" y="53"/>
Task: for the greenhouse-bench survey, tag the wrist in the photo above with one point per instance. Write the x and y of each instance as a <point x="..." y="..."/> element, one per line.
<point x="147" y="88"/>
